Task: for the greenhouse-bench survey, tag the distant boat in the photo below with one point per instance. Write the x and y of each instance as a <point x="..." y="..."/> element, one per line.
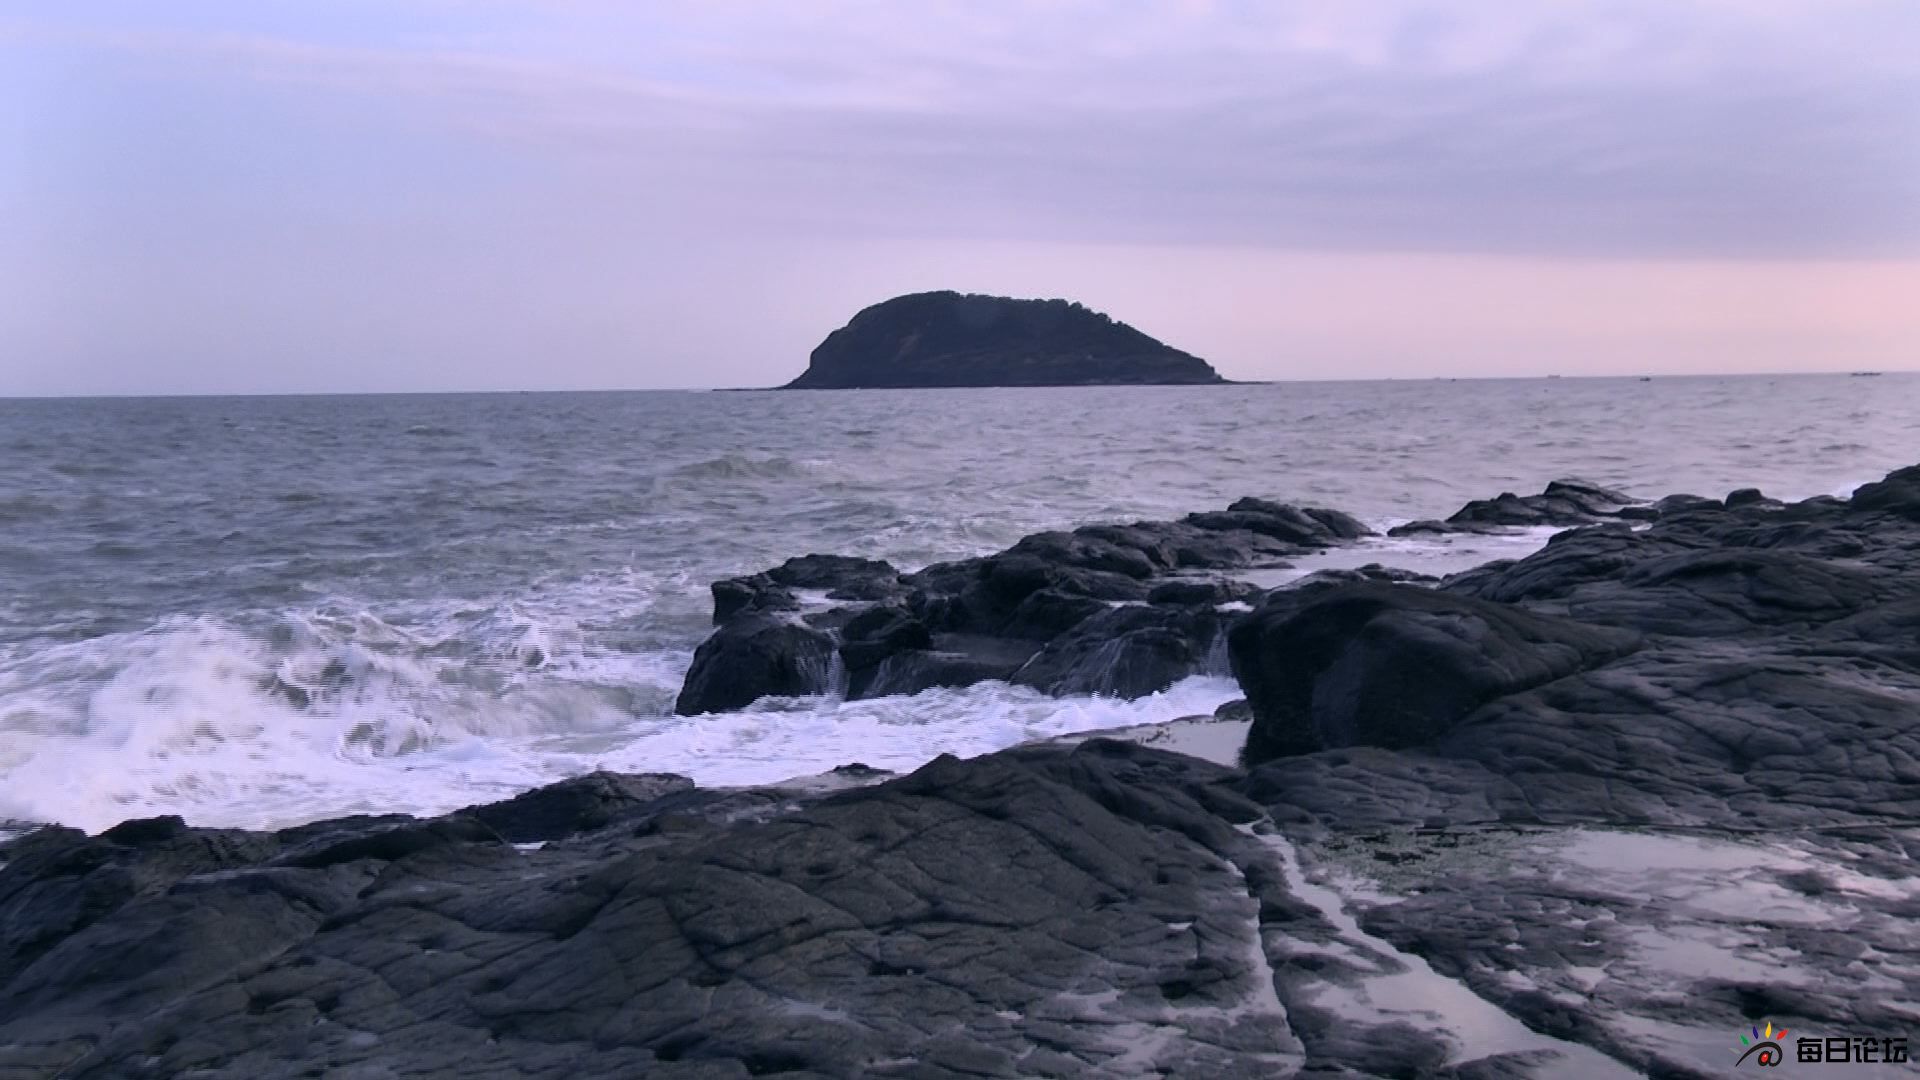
<point x="1865" y="374"/>
<point x="1553" y="376"/>
<point x="1646" y="378"/>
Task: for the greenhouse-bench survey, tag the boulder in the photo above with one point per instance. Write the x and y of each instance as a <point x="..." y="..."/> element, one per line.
<point x="1126" y="652"/>
<point x="840" y="577"/>
<point x="756" y="656"/>
<point x="1564" y="504"/>
<point x="1898" y="493"/>
<point x="950" y="660"/>
<point x="581" y="804"/>
<point x="1187" y="592"/>
<point x="1392" y="666"/>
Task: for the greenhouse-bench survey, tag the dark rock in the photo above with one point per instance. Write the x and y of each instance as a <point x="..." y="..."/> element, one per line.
<point x="871" y="636"/>
<point x="1780" y="659"/>
<point x="575" y="806"/>
<point x="953" y="339"/>
<point x="998" y="611"/>
<point x="1751" y="497"/>
<point x="1304" y="528"/>
<point x="1158" y="541"/>
<point x="758" y="593"/>
<point x="1369" y="572"/>
<point x="1391" y="666"/>
<point x="1727" y="593"/>
<point x="1088" y="552"/>
<point x="1597" y="499"/>
<point x="1333" y="524"/>
<point x="1660" y="582"/>
<point x="954" y="660"/>
<point x="1010" y="578"/>
<point x="841" y="577"/>
<point x="1898" y="494"/>
<point x="854" y="930"/>
<point x="756" y="656"/>
<point x="147" y="830"/>
<point x="1047" y="613"/>
<point x="1187" y="592"/>
<point x="1681" y="504"/>
<point x="359" y="844"/>
<point x="1564" y="503"/>
<point x="1125" y="652"/>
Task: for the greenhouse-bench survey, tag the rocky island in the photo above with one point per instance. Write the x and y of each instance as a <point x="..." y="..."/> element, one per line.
<point x="965" y="339"/>
<point x="1595" y="812"/>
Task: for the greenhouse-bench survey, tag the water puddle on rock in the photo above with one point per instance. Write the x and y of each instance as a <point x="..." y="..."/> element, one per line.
<point x="1667" y="920"/>
<point x="1397" y="987"/>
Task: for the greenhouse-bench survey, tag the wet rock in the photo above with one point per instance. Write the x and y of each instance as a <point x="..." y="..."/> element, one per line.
<point x="1564" y="503"/>
<point x="1898" y="494"/>
<point x="575" y="806"/>
<point x="1288" y="524"/>
<point x="847" y="932"/>
<point x="1088" y="552"/>
<point x="871" y="636"/>
<point x="757" y="656"/>
<point x="1126" y="652"/>
<point x="758" y="593"/>
<point x="1188" y="592"/>
<point x="970" y="620"/>
<point x="1751" y="498"/>
<point x="1392" y="666"/>
<point x="953" y="660"/>
<point x="1681" y="504"/>
<point x="1049" y="613"/>
<point x="1369" y="572"/>
<point x="840" y="577"/>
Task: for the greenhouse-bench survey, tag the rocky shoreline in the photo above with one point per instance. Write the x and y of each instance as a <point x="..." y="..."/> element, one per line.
<point x="1586" y="813"/>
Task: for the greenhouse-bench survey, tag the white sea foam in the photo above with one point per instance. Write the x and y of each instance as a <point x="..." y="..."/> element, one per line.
<point x="1436" y="555"/>
<point x="264" y="610"/>
<point x="333" y="709"/>
<point x="349" y="714"/>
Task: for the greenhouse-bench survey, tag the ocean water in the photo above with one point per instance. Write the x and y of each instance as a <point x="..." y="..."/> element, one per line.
<point x="258" y="611"/>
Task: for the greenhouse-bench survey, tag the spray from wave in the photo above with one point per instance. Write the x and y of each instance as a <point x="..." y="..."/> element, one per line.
<point x="228" y="728"/>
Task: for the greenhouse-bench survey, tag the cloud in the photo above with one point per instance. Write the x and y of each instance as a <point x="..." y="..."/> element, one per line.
<point x="1619" y="127"/>
<point x="405" y="194"/>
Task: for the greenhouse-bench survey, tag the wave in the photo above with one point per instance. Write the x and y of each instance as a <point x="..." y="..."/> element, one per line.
<point x="320" y="712"/>
<point x="21" y="509"/>
<point x="742" y="467"/>
<point x="330" y="715"/>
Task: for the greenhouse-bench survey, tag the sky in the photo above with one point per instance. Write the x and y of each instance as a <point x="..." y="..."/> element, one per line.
<point x="270" y="196"/>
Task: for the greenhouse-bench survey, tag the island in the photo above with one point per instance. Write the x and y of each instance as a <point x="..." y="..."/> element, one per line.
<point x="948" y="338"/>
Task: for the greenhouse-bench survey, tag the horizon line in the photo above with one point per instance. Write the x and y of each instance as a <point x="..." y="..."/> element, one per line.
<point x="1650" y="376"/>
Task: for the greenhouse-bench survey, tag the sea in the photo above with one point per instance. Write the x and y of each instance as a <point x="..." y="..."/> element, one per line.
<point x="258" y="611"/>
